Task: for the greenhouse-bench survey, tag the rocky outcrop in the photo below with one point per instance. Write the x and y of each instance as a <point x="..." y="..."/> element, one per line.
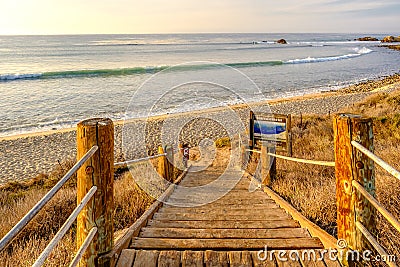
<point x="367" y="39"/>
<point x="281" y="41"/>
<point x="390" y="39"/>
<point x="394" y="47"/>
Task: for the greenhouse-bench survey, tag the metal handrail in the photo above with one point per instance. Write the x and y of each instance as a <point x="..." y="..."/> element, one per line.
<point x="376" y="159"/>
<point x="83" y="248"/>
<point x="374" y="243"/>
<point x="38" y="207"/>
<point x="138" y="160"/>
<point x="63" y="230"/>
<point x="377" y="205"/>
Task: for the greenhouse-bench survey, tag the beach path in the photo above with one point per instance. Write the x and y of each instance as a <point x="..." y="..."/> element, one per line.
<point x="218" y="218"/>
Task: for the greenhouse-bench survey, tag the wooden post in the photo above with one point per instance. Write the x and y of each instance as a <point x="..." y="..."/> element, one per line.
<point x="251" y="130"/>
<point x="268" y="164"/>
<point x="97" y="171"/>
<point x="351" y="165"/>
<point x="289" y="135"/>
<point x="162" y="164"/>
<point x="244" y="161"/>
<point x="170" y="163"/>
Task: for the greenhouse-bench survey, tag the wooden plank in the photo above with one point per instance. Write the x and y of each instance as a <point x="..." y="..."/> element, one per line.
<point x="192" y="258"/>
<point x="245" y="201"/>
<point x="266" y="224"/>
<point x="227" y="193"/>
<point x="126" y="258"/>
<point x="224" y="206"/>
<point x="146" y="258"/>
<point x="213" y="183"/>
<point x="134" y="229"/>
<point x="223" y="233"/>
<point x="234" y="244"/>
<point x="180" y="193"/>
<point x="240" y="259"/>
<point x="218" y="195"/>
<point x="262" y="260"/>
<point x="216" y="258"/>
<point x="221" y="209"/>
<point x="267" y="215"/>
<point x="171" y="258"/>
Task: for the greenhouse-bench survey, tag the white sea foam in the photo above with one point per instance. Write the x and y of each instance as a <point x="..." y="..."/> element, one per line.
<point x="359" y="52"/>
<point x="362" y="51"/>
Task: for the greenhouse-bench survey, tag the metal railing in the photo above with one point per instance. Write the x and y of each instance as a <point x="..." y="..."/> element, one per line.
<point x="6" y="240"/>
<point x="385" y="213"/>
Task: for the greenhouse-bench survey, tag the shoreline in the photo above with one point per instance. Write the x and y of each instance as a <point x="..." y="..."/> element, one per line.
<point x="24" y="156"/>
<point x="355" y="88"/>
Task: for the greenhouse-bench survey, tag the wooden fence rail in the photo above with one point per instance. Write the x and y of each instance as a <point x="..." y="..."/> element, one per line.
<point x="377" y="160"/>
<point x="355" y="182"/>
<point x="5" y="241"/>
<point x="95" y="208"/>
<point x="63" y="230"/>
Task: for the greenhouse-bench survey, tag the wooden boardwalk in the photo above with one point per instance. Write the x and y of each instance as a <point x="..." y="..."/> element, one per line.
<point x="192" y="230"/>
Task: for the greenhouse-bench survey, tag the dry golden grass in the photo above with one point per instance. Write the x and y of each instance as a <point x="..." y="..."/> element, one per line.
<point x="16" y="199"/>
<point x="311" y="189"/>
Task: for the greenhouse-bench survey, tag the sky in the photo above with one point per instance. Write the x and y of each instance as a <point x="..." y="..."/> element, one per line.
<point x="200" y="16"/>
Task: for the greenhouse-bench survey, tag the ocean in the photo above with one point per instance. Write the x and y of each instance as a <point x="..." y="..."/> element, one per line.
<point x="52" y="82"/>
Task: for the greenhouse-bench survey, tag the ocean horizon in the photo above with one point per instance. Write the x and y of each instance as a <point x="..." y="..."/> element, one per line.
<point x="53" y="81"/>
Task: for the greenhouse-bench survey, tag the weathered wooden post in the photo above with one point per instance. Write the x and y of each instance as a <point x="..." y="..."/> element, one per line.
<point x="170" y="162"/>
<point x="351" y="165"/>
<point x="162" y="164"/>
<point x="289" y="138"/>
<point x="245" y="157"/>
<point x="268" y="164"/>
<point x="251" y="129"/>
<point x="97" y="171"/>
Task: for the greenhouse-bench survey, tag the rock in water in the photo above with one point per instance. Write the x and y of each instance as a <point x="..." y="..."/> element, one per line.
<point x="390" y="39"/>
<point x="281" y="41"/>
<point x="368" y="39"/>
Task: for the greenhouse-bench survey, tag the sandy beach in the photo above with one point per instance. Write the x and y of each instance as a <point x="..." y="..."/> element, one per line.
<point x="25" y="156"/>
